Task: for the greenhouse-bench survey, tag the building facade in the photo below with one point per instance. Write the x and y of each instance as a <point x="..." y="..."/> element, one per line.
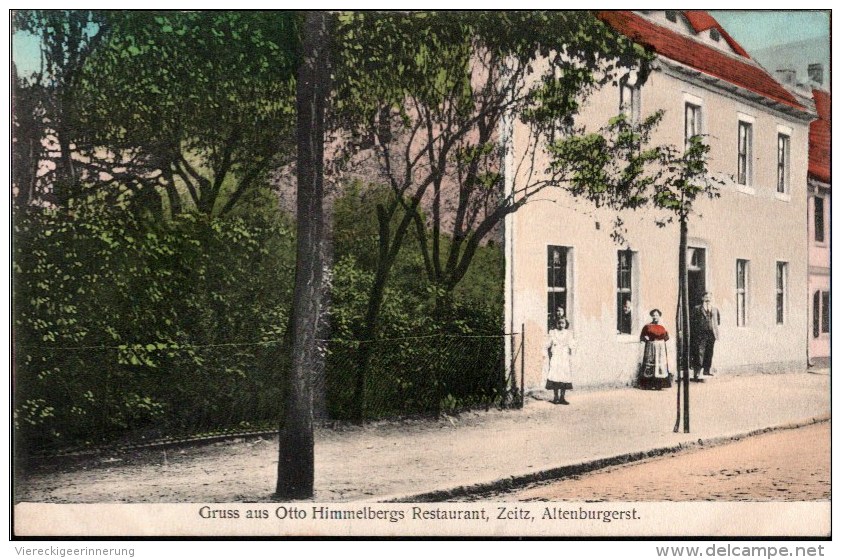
<point x="820" y="195"/>
<point x="560" y="254"/>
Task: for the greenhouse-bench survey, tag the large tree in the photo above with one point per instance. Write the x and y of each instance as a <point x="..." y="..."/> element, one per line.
<point x="189" y="110"/>
<point x="68" y="38"/>
<point x="425" y="94"/>
<point x="296" y="456"/>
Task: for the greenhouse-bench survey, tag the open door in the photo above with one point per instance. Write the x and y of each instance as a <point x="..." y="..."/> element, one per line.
<point x="696" y="259"/>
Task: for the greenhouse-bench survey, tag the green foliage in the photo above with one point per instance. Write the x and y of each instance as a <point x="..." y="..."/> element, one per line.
<point x="425" y="358"/>
<point x="124" y="325"/>
<point x="619" y="168"/>
<point x="199" y="99"/>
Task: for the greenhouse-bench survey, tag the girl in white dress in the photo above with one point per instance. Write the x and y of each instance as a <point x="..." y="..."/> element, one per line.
<point x="556" y="360"/>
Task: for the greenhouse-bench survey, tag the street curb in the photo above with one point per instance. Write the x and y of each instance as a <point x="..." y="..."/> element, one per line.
<point x="517" y="481"/>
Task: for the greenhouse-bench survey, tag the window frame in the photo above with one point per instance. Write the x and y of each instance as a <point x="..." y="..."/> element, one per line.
<point x="784" y="165"/>
<point x="826" y="317"/>
<point x="742" y="292"/>
<point x="550" y="278"/>
<point x="697" y="107"/>
<point x="629" y="291"/>
<point x="815" y="215"/>
<point x="781" y="292"/>
<point x="749" y="122"/>
<point x="628" y="87"/>
<point x="744" y="153"/>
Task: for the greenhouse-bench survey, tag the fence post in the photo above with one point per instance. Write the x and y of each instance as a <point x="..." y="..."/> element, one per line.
<point x="512" y="367"/>
<point x="522" y="365"/>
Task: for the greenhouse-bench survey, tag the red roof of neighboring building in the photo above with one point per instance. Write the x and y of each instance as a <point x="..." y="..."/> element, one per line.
<point x="819" y="137"/>
<point x="697" y="55"/>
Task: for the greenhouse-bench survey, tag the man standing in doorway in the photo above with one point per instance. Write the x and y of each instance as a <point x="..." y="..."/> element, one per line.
<point x="705" y="322"/>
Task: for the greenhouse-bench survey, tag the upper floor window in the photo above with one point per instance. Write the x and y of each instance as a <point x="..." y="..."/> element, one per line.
<point x="629" y="100"/>
<point x="743" y="174"/>
<point x="819" y="219"/>
<point x="783" y="150"/>
<point x="671" y="15"/>
<point x="715" y="35"/>
<point x="692" y="121"/>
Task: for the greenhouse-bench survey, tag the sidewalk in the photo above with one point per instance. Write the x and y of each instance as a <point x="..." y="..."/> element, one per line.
<point x="428" y="460"/>
<point x="545" y="439"/>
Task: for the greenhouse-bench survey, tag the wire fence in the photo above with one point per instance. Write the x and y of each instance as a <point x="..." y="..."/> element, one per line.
<point x="89" y="394"/>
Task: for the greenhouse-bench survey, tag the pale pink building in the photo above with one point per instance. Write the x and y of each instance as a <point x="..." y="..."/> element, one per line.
<point x="820" y="189"/>
<point x="743" y="245"/>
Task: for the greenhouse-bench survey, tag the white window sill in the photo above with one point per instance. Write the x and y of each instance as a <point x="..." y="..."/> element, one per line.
<point x="785" y="197"/>
<point x="745" y="189"/>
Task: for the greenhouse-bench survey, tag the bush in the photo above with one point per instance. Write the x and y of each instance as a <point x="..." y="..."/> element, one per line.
<point x="125" y="325"/>
<point x="427" y="357"/>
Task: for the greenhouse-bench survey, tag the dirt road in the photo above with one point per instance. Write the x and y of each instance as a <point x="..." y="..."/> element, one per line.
<point x="786" y="465"/>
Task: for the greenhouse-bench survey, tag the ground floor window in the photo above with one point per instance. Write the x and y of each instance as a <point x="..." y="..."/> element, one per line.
<point x="820" y="313"/>
<point x="557" y="283"/>
<point x="624" y="292"/>
<point x="741" y="292"/>
<point x="782" y="281"/>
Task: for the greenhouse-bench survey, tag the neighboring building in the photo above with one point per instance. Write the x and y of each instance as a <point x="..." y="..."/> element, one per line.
<point x="803" y="61"/>
<point x="820" y="183"/>
<point x="559" y="252"/>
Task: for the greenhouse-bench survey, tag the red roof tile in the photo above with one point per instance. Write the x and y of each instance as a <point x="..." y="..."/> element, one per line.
<point x="701" y="21"/>
<point x="819" y="137"/>
<point x="697" y="55"/>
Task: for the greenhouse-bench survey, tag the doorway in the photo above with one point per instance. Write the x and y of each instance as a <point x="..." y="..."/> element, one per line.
<point x="696" y="269"/>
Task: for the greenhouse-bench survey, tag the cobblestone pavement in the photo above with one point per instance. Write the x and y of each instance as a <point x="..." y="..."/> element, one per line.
<point x="785" y="465"/>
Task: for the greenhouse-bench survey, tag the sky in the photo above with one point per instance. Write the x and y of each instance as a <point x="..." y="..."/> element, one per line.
<point x="753" y="29"/>
<point x="756" y="29"/>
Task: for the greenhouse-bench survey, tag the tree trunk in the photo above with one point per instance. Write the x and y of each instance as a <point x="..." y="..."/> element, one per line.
<point x="683" y="328"/>
<point x="295" y="467"/>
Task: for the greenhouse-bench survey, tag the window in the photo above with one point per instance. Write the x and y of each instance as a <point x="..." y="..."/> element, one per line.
<point x="741" y="292"/>
<point x="715" y="35"/>
<point x="557" y="283"/>
<point x="629" y="103"/>
<point x="820" y="313"/>
<point x="824" y="312"/>
<point x="624" y="292"/>
<point x="783" y="142"/>
<point x="671" y="15"/>
<point x="743" y="174"/>
<point x="692" y="122"/>
<point x="782" y="279"/>
<point x="819" y="219"/>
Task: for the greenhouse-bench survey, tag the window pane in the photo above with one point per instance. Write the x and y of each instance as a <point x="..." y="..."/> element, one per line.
<point x="782" y="163"/>
<point x="816" y="315"/>
<point x="691" y="122"/>
<point x="557" y="267"/>
<point x="781" y="290"/>
<point x="825" y="312"/>
<point x="741" y="292"/>
<point x="556" y="282"/>
<point x="556" y="301"/>
<point x="624" y="294"/>
<point x="819" y="226"/>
